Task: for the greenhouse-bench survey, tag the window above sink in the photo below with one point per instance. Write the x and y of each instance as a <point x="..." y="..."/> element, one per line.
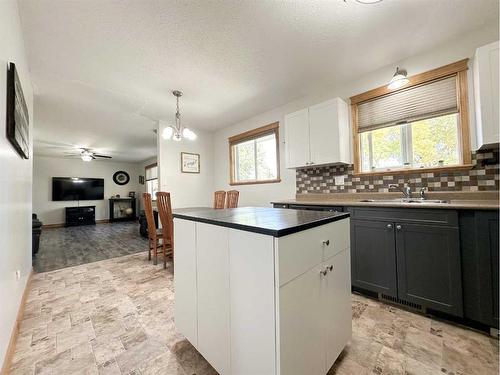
<point x="421" y="126"/>
<point x="420" y="144"/>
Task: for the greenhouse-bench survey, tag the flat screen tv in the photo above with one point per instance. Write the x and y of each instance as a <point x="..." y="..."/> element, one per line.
<point x="77" y="189"/>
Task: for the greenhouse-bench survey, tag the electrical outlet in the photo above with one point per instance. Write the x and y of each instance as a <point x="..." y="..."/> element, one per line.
<point x="340" y="180"/>
<point x="18" y="275"/>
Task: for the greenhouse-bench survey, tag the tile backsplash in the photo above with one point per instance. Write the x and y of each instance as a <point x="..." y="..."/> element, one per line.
<point x="484" y="176"/>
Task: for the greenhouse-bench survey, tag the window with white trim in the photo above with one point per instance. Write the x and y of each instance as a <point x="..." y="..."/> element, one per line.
<point x="152" y="180"/>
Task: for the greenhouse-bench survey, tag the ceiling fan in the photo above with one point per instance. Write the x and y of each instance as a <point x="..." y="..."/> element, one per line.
<point x="88" y="155"/>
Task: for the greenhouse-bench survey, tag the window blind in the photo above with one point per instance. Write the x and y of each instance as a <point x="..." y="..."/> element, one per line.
<point x="417" y="103"/>
<point x="151" y="173"/>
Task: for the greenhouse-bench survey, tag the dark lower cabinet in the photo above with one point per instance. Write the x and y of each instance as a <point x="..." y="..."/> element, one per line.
<point x="373" y="256"/>
<point x="411" y="262"/>
<point x="441" y="259"/>
<point x="428" y="267"/>
<point x="479" y="241"/>
<point x="493" y="246"/>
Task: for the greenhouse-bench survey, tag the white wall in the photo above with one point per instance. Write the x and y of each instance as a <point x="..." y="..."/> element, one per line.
<point x="15" y="182"/>
<point x="187" y="189"/>
<point x="52" y="212"/>
<point x="452" y="51"/>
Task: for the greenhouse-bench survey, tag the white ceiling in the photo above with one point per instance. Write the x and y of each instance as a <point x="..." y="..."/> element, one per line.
<point x="103" y="70"/>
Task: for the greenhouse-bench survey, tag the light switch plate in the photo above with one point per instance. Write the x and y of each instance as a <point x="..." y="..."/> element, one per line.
<point x="339" y="180"/>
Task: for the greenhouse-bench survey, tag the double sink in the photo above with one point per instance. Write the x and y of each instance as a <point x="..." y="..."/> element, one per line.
<point x="406" y="200"/>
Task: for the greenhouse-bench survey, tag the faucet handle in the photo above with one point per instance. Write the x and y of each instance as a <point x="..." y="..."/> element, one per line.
<point x="422" y="192"/>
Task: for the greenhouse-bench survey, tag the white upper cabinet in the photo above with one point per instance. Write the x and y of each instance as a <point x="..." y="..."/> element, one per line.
<point x="318" y="135"/>
<point x="329" y="132"/>
<point x="297" y="139"/>
<point x="486" y="95"/>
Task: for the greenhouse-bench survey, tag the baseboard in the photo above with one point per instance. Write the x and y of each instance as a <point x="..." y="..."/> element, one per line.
<point x="15" y="330"/>
<point x="62" y="225"/>
<point x="48" y="226"/>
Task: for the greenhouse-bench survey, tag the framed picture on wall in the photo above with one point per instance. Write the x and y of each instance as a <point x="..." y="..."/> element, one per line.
<point x="190" y="163"/>
<point x="17" y="114"/>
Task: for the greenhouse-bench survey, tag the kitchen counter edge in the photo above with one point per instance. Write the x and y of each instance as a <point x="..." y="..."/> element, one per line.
<point x="261" y="230"/>
<point x="452" y="205"/>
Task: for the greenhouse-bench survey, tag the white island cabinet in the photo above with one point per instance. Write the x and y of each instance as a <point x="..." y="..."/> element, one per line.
<point x="263" y="291"/>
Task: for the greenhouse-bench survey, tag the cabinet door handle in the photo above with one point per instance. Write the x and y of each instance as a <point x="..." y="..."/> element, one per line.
<point x="398" y="227"/>
<point x="327" y="242"/>
<point x="330" y="268"/>
<point x="389" y="226"/>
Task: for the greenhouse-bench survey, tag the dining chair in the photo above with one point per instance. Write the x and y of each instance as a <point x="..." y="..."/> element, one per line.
<point x="219" y="199"/>
<point x="153" y="235"/>
<point x="232" y="198"/>
<point x="167" y="224"/>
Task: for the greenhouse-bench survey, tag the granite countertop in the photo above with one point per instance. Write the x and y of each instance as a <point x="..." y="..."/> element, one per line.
<point x="264" y="220"/>
<point x="468" y="201"/>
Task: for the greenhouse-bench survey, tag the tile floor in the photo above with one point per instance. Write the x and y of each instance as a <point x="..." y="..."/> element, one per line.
<point x="116" y="317"/>
<point x="72" y="246"/>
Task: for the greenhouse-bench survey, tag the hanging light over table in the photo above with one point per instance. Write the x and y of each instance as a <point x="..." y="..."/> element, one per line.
<point x="178" y="132"/>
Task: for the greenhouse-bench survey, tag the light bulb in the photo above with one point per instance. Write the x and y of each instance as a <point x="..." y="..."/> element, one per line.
<point x="189" y="134"/>
<point x="399" y="79"/>
<point x="396" y="83"/>
<point x="167" y="132"/>
<point x="86" y="157"/>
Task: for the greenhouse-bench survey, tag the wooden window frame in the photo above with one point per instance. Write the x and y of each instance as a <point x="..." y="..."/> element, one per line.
<point x="247" y="136"/>
<point x="457" y="69"/>
<point x="153" y="199"/>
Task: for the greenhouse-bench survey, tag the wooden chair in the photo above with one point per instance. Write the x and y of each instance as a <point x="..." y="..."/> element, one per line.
<point x="232" y="198"/>
<point x="219" y="199"/>
<point x="153" y="235"/>
<point x="167" y="224"/>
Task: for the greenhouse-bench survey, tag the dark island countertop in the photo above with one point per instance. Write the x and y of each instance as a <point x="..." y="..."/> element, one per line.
<point x="274" y="222"/>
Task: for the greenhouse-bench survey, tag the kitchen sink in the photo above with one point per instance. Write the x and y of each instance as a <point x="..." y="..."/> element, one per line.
<point x="406" y="200"/>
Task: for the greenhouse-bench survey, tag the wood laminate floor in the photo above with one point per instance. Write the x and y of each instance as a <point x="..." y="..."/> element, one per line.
<point x="72" y="246"/>
<point x="116" y="317"/>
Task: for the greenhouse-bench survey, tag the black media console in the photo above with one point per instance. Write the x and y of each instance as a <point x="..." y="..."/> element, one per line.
<point x="83" y="215"/>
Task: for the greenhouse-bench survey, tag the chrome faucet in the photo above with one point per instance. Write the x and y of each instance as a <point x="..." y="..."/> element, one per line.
<point x="406" y="190"/>
<point x="422" y="193"/>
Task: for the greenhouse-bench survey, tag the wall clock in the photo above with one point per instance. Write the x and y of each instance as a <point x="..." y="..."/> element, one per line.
<point x="121" y="178"/>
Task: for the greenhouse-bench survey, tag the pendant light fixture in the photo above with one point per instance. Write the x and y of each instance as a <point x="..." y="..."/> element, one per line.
<point x="399" y="79"/>
<point x="178" y="132"/>
<point x="368" y="1"/>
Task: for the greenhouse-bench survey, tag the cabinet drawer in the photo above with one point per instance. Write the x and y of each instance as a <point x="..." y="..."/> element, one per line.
<point x="308" y="248"/>
<point x="338" y="234"/>
<point x="412" y="215"/>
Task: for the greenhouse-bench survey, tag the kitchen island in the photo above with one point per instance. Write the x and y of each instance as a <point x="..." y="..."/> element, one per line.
<point x="263" y="290"/>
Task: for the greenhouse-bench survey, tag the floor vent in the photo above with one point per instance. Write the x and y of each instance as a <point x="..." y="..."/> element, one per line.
<point x="402" y="302"/>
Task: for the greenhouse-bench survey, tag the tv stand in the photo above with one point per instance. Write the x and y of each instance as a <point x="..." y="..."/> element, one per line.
<point x="83" y="215"/>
